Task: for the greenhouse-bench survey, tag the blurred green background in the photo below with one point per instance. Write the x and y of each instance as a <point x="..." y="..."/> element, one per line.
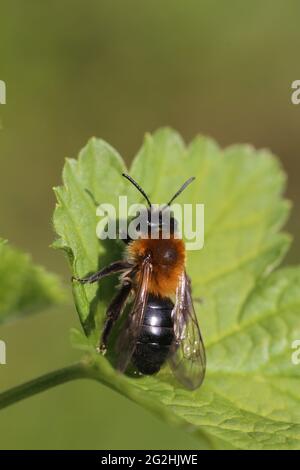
<point x="116" y="69"/>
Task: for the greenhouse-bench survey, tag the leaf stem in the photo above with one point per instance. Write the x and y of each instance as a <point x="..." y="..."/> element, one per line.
<point x="75" y="371"/>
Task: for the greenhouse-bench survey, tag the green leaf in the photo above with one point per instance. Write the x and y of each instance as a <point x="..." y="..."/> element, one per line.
<point x="24" y="287"/>
<point x="97" y="170"/>
<point x="251" y="394"/>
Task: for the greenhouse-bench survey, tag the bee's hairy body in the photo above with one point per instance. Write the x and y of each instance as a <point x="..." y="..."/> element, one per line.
<point x="157" y="332"/>
<point x="167" y="259"/>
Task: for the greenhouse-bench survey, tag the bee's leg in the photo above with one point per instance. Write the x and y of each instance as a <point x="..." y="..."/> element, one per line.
<point x="115" y="267"/>
<point x="113" y="312"/>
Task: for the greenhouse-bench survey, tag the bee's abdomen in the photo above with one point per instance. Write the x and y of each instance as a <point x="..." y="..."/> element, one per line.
<point x="156" y="336"/>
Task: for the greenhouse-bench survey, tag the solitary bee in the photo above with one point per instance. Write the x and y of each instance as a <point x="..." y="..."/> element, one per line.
<point x="156" y="329"/>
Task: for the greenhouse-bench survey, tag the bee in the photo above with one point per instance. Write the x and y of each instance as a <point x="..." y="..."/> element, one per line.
<point x="157" y="329"/>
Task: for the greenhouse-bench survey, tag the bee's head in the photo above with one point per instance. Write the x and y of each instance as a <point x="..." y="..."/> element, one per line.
<point x="159" y="219"/>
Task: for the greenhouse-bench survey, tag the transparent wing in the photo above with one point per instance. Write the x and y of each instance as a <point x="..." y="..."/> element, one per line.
<point x="187" y="358"/>
<point x="127" y="340"/>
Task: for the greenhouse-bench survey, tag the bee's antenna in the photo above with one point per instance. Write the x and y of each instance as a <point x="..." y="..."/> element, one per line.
<point x="189" y="181"/>
<point x="137" y="187"/>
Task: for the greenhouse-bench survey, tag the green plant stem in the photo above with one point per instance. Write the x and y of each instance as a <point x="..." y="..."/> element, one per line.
<point x="44" y="382"/>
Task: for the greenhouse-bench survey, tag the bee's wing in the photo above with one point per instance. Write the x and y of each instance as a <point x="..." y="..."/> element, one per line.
<point x="187" y="358"/>
<point x="127" y="340"/>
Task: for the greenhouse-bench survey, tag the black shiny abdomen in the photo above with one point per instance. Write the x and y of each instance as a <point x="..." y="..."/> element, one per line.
<point x="156" y="336"/>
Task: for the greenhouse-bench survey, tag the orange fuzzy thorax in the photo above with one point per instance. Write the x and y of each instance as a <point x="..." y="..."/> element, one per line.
<point x="167" y="258"/>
